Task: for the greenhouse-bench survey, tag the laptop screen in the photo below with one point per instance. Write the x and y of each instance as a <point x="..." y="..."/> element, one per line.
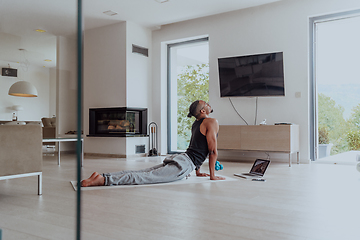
<point x="260" y="166"/>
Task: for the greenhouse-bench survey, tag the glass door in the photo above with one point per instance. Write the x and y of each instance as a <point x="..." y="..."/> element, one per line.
<point x="337" y="77"/>
<point x="38" y="41"/>
<point x="188" y="81"/>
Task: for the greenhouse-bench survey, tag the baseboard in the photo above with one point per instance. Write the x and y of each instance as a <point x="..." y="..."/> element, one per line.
<point x="137" y="155"/>
<point x="104" y="155"/>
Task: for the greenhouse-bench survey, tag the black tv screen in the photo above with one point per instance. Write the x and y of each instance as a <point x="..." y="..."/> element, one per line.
<point x="252" y="76"/>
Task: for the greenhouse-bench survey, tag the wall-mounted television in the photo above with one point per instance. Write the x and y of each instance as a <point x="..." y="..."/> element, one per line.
<point x="252" y="75"/>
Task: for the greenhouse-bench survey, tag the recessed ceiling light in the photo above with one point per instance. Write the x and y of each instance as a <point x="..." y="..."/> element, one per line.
<point x="47" y="60"/>
<point x="110" y="13"/>
<point x="161" y="1"/>
<point x="40" y="30"/>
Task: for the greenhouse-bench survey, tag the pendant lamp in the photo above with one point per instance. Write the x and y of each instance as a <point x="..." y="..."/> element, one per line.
<point x="23" y="89"/>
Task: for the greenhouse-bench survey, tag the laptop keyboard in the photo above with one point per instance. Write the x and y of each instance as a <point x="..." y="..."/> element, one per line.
<point x="251" y="174"/>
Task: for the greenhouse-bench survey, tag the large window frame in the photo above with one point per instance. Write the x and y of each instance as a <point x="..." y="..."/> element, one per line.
<point x="312" y="73"/>
<point x="169" y="88"/>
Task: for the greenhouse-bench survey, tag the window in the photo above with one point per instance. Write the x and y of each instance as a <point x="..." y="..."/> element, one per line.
<point x="188" y="80"/>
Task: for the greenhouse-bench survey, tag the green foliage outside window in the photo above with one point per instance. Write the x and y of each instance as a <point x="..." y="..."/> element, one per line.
<point x="330" y="117"/>
<point x="323" y="136"/>
<point x="344" y="134"/>
<point x="353" y="139"/>
<point x="193" y="84"/>
<point x="353" y="136"/>
<point x="355" y="117"/>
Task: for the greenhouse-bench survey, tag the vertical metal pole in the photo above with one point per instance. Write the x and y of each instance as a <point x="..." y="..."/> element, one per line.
<point x="40" y="183"/>
<point x="59" y="153"/>
<point x="153" y="137"/>
<point x="312" y="90"/>
<point x="168" y="99"/>
<point x="82" y="152"/>
<point x="79" y="116"/>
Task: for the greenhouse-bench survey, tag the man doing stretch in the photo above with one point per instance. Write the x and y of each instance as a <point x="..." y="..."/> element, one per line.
<point x="203" y="143"/>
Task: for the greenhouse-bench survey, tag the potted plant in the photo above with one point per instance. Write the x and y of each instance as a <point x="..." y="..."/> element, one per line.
<point x="353" y="139"/>
<point x="324" y="143"/>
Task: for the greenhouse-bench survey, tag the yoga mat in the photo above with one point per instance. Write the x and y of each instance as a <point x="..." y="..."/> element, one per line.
<point x="190" y="180"/>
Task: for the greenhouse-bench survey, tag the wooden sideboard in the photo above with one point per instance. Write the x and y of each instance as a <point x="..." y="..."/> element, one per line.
<point x="264" y="138"/>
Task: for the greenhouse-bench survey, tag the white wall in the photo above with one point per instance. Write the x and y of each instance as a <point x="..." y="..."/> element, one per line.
<point x="132" y="142"/>
<point x="66" y="89"/>
<point x="34" y="108"/>
<point x="138" y="70"/>
<point x="104" y="80"/>
<point x="52" y="92"/>
<point x="138" y="78"/>
<point x="281" y="26"/>
<point x="115" y="77"/>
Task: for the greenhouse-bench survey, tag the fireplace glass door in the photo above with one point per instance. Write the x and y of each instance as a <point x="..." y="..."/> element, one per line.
<point x="117" y="121"/>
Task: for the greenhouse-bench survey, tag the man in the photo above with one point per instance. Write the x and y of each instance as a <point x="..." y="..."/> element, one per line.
<point x="203" y="143"/>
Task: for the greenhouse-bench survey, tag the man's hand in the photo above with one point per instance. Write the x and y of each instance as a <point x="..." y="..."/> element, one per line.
<point x="199" y="174"/>
<point x="217" y="178"/>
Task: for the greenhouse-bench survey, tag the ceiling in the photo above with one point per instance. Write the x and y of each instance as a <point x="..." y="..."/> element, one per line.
<point x="19" y="19"/>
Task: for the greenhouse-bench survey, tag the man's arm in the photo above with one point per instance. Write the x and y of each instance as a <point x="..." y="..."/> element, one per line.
<point x="212" y="128"/>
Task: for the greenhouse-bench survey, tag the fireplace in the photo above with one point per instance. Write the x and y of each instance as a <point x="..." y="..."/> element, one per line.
<point x="117" y="122"/>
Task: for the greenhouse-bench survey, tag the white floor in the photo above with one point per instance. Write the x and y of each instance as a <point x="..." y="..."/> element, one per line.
<point x="306" y="201"/>
<point x="349" y="158"/>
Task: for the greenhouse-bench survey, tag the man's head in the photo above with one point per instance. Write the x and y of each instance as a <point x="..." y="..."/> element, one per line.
<point x="199" y="109"/>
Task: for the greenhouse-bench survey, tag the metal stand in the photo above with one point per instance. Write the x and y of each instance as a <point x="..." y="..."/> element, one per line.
<point x="153" y="140"/>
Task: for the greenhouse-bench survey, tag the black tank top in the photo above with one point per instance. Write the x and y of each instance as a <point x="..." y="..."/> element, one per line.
<point x="198" y="147"/>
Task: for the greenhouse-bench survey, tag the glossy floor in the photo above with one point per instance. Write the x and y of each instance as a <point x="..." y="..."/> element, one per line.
<point x="306" y="201"/>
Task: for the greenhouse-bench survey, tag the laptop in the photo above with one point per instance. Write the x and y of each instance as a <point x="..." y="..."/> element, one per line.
<point x="257" y="171"/>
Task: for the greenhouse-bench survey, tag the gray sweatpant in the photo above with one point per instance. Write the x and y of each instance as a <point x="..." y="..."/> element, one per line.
<point x="173" y="168"/>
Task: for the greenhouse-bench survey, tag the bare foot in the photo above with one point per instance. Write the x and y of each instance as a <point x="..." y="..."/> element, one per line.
<point x="217" y="178"/>
<point x="95" y="179"/>
<point x="85" y="182"/>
